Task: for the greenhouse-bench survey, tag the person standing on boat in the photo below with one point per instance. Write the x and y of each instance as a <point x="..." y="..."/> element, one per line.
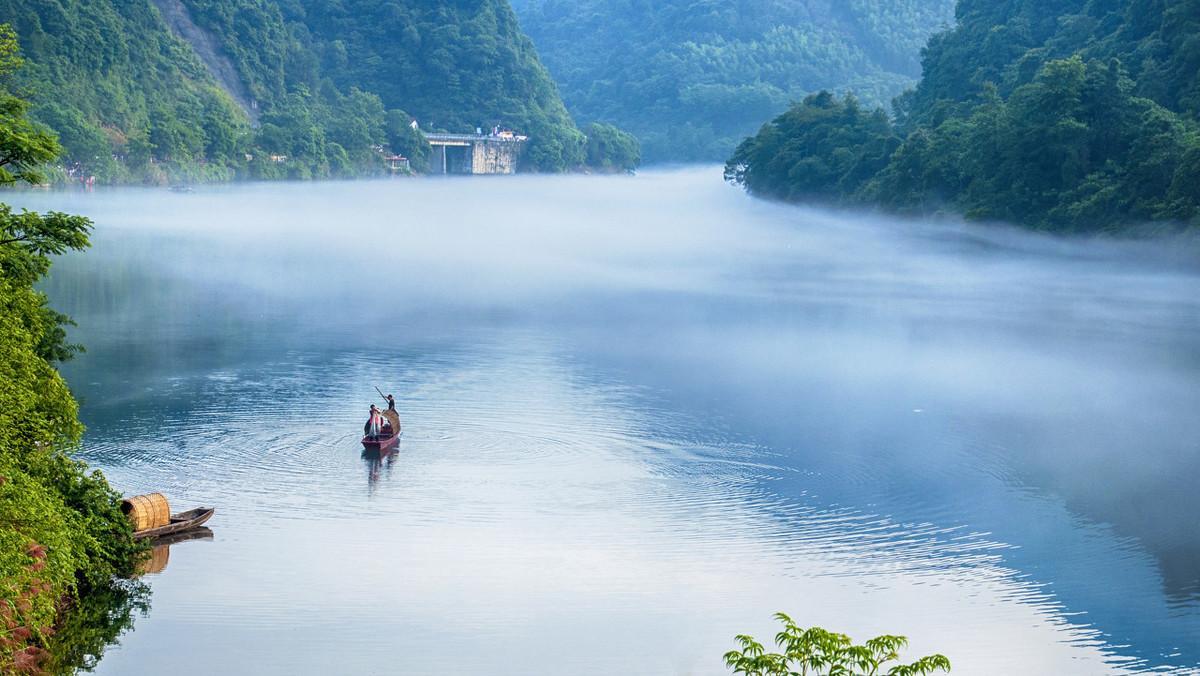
<point x="392" y="407"/>
<point x="374" y="424"/>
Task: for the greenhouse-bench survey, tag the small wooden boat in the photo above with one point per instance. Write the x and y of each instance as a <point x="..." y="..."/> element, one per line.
<point x="179" y="522"/>
<point x="384" y="442"/>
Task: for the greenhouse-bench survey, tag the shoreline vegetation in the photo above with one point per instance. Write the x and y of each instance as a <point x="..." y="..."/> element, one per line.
<point x="64" y="542"/>
<point x="1081" y="120"/>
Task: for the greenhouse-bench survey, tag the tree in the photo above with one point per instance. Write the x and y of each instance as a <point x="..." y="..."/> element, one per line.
<point x="405" y="139"/>
<point x="822" y="148"/>
<point x="61" y="530"/>
<point x="610" y="149"/>
<point x="24" y="146"/>
<point x="691" y="78"/>
<point x="816" y="652"/>
<point x="27" y="239"/>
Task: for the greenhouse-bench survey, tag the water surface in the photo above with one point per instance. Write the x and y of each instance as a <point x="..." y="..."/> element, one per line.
<point x="641" y="415"/>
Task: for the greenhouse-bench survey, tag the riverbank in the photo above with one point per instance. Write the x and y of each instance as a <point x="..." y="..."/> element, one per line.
<point x="62" y="534"/>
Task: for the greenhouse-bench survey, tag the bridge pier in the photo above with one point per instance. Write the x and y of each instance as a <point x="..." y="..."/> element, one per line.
<point x="476" y="153"/>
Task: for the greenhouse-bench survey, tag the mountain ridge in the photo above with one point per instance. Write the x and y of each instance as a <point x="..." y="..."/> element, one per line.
<point x="692" y="78"/>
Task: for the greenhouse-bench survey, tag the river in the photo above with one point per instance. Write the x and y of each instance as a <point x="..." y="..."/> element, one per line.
<point x="641" y="414"/>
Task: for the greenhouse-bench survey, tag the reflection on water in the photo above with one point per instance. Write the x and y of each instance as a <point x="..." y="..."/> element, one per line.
<point x="641" y="415"/>
<point x="379" y="464"/>
<point x="93" y="625"/>
<point x="160" y="551"/>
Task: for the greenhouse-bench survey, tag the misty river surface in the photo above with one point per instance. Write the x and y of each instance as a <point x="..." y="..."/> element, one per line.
<point x="641" y="414"/>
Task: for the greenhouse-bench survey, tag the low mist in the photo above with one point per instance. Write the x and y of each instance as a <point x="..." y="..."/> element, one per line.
<point x="940" y="372"/>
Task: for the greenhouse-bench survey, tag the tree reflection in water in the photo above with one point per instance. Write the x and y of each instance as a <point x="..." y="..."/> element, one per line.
<point x="92" y="623"/>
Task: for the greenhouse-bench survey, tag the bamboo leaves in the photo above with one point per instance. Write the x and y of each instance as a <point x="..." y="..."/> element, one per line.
<point x="815" y="651"/>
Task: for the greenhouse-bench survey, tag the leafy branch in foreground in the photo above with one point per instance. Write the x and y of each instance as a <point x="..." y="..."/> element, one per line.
<point x="817" y="652"/>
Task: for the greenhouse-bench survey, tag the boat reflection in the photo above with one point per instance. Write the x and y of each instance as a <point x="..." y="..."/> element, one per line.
<point x="160" y="555"/>
<point x="378" y="462"/>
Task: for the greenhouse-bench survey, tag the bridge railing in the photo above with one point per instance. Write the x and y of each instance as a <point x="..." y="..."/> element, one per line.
<point x="471" y="138"/>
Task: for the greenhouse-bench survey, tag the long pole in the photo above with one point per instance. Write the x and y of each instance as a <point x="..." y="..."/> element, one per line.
<point x="380" y="393"/>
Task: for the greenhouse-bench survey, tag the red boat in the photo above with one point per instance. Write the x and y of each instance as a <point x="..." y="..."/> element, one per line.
<point x="389" y="434"/>
<point x="385" y="441"/>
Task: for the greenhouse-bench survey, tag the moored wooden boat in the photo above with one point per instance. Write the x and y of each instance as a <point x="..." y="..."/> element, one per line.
<point x="179" y="522"/>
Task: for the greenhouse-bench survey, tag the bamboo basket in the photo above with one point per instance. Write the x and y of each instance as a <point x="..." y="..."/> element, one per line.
<point x="393" y="418"/>
<point x="147" y="511"/>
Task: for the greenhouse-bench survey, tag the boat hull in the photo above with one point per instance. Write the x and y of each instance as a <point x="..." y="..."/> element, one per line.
<point x="179" y="522"/>
<point x="380" y="445"/>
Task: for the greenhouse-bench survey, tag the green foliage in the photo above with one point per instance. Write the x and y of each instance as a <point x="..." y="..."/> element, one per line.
<point x="691" y="78"/>
<point x="454" y="65"/>
<point x="610" y="149"/>
<point x="61" y="530"/>
<point x="998" y="130"/>
<point x="92" y="623"/>
<point x="23" y="146"/>
<point x="280" y="89"/>
<point x="1006" y="45"/>
<point x="408" y="141"/>
<point x="101" y="73"/>
<point x="819" y="147"/>
<point x="816" y="652"/>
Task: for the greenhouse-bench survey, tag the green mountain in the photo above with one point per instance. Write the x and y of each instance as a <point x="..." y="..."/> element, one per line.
<point x="457" y="65"/>
<point x="1074" y="115"/>
<point x="279" y="88"/>
<point x="111" y="80"/>
<point x="690" y="78"/>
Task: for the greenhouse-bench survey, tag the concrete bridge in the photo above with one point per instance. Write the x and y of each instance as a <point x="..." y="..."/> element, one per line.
<point x="496" y="153"/>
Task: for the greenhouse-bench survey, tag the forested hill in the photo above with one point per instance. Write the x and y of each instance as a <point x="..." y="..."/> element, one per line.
<point x="691" y="78"/>
<point x="1074" y="115"/>
<point x="457" y="65"/>
<point x="151" y="88"/>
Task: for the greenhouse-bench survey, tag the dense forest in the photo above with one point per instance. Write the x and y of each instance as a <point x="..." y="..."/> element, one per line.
<point x="1080" y="116"/>
<point x="690" y="79"/>
<point x="121" y="91"/>
<point x="62" y="534"/>
<point x="192" y="89"/>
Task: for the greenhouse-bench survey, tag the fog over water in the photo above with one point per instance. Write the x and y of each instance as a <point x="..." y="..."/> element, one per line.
<point x="641" y="415"/>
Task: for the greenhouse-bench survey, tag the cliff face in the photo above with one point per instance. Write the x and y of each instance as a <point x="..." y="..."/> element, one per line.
<point x="179" y="19"/>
